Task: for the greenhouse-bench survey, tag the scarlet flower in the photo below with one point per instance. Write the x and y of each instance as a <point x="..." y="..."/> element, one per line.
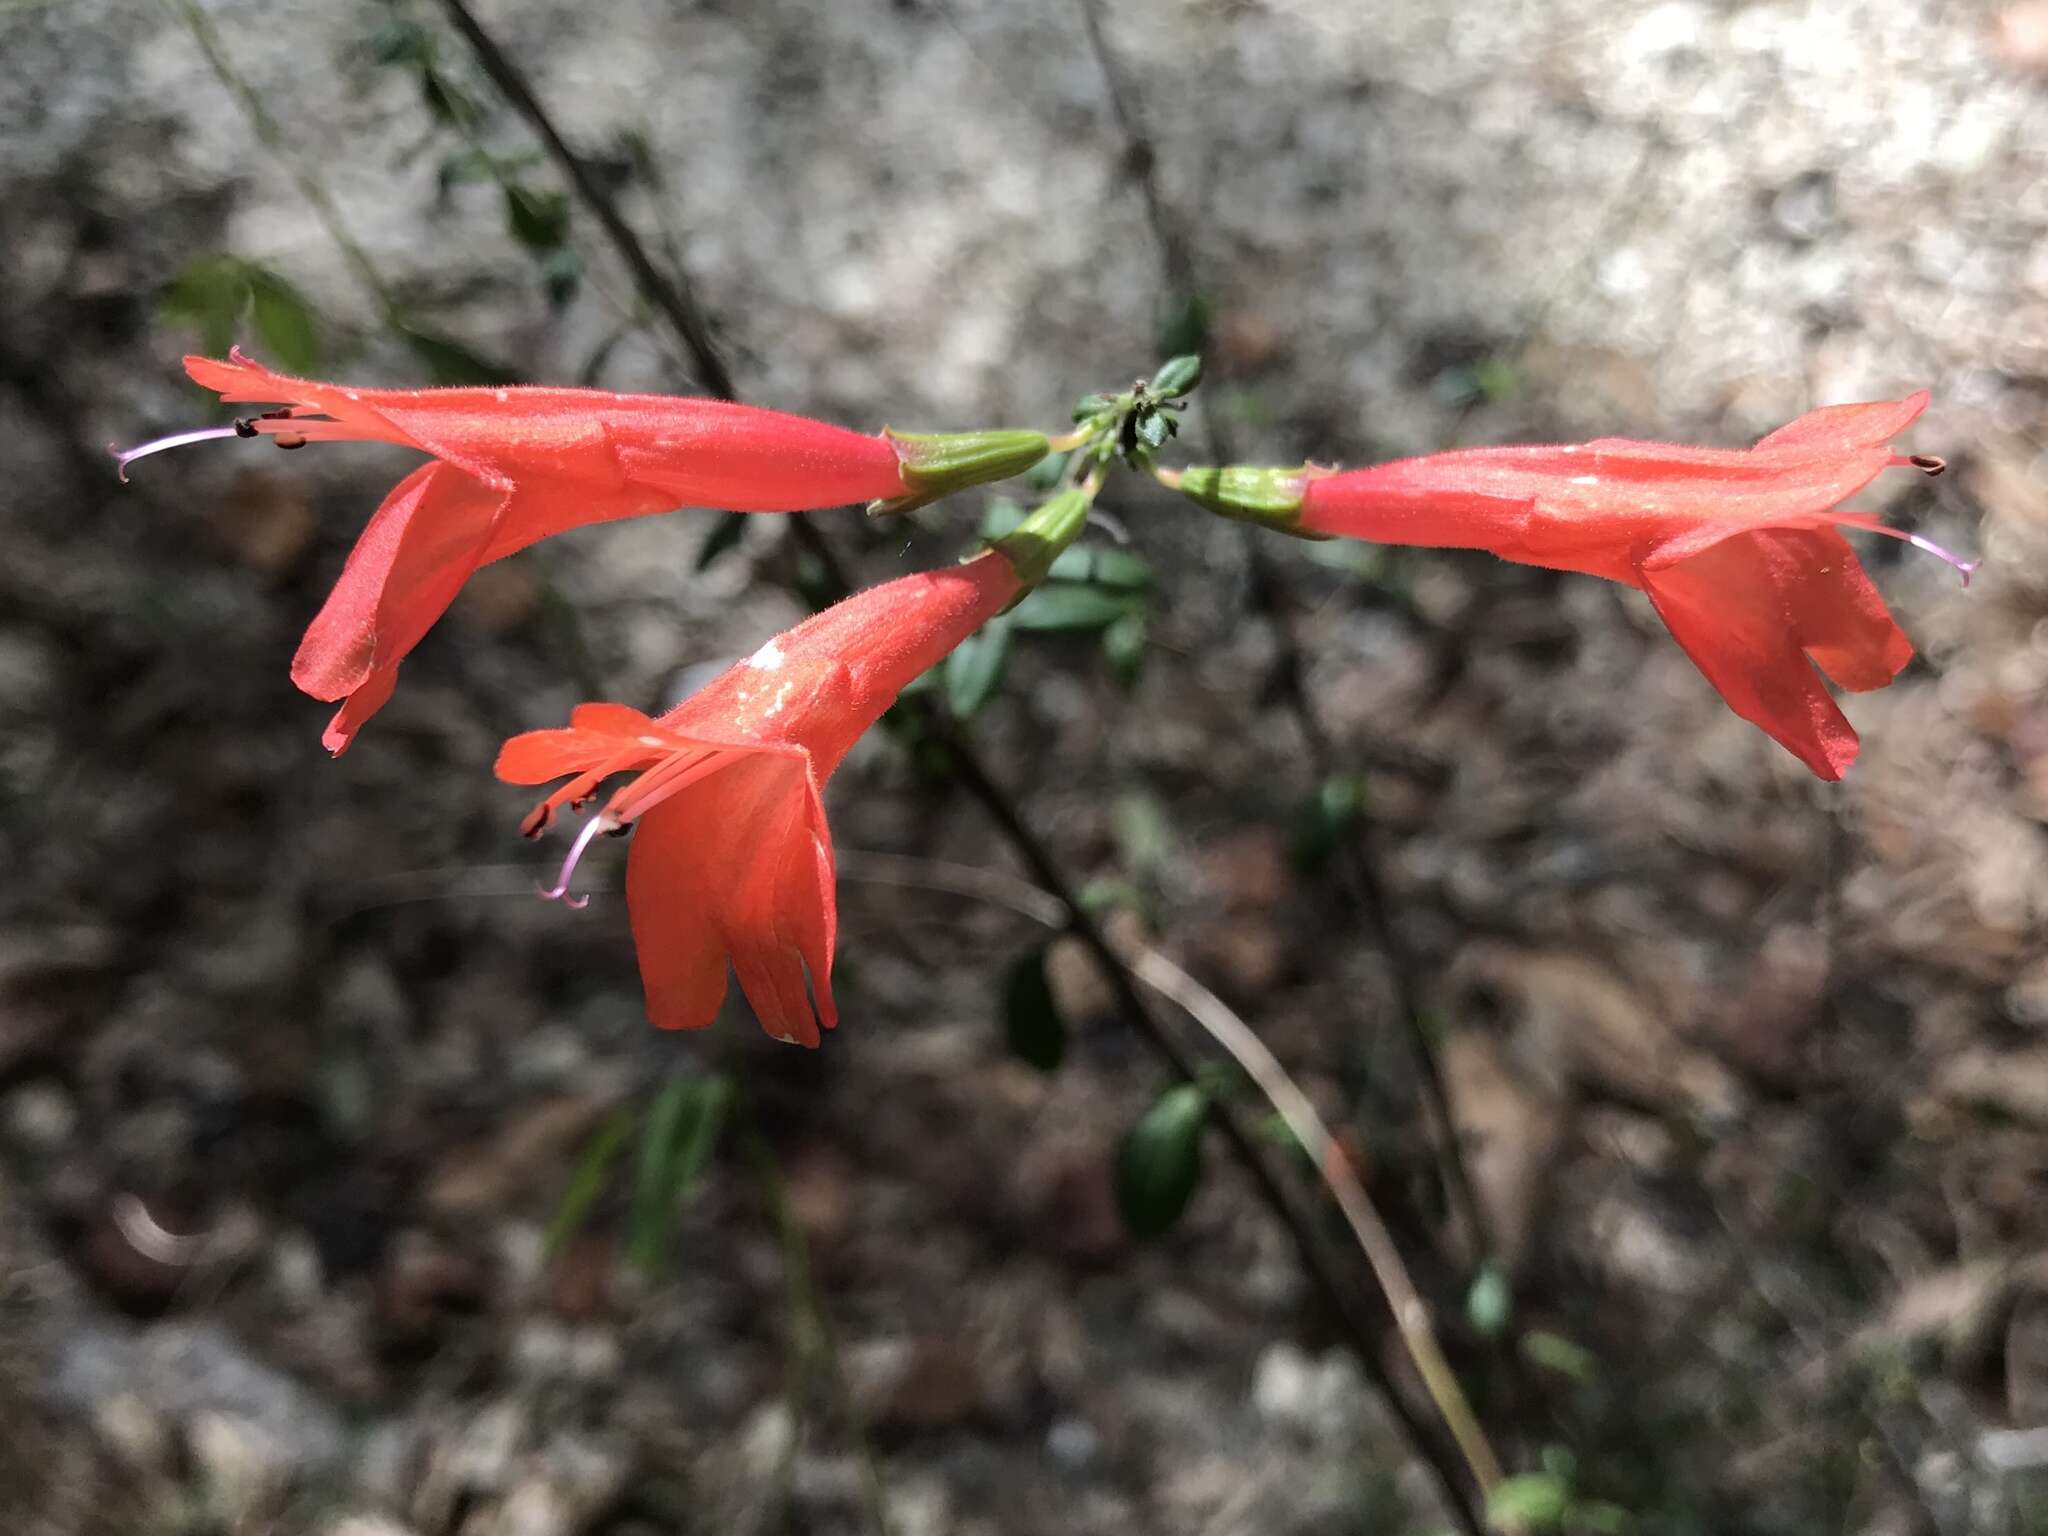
<point x="732" y="861"/>
<point x="511" y="466"/>
<point x="1736" y="547"/>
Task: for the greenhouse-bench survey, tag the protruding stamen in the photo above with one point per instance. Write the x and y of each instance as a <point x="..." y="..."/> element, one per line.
<point x="1928" y="463"/>
<point x="123" y="457"/>
<point x="591" y="829"/>
<point x="1964" y="568"/>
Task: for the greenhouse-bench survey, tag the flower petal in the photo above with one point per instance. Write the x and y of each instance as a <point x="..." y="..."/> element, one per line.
<point x="1845" y="428"/>
<point x="401" y="576"/>
<point x="737" y="867"/>
<point x="1750" y="610"/>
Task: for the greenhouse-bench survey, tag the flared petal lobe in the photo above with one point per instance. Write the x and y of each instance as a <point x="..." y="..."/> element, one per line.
<point x="732" y="863"/>
<point x="1757" y="611"/>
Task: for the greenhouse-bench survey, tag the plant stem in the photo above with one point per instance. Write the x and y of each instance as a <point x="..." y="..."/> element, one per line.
<point x="1271" y="595"/>
<point x="676" y="301"/>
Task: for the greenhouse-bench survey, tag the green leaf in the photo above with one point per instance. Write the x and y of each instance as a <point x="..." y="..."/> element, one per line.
<point x="675" y="1147"/>
<point x="464" y="165"/>
<point x="1093" y="405"/>
<point x="587" y="1182"/>
<point x="1001" y="516"/>
<point x="538" y="220"/>
<point x="447" y="101"/>
<point x="1068" y="605"/>
<point x="1185" y="327"/>
<point x="448" y="361"/>
<point x="1045" y="474"/>
<point x="1177" y="376"/>
<point x="727" y="533"/>
<point x="1032" y="1022"/>
<point x="1143" y="831"/>
<point x="1159" y="1162"/>
<point x="1154" y="428"/>
<point x="208" y="295"/>
<point x="284" y="322"/>
<point x="975" y="669"/>
<point x="1123" y="648"/>
<point x="561" y="273"/>
<point x="1102" y="567"/>
<point x="1490" y="1302"/>
<point x="1555" y="1352"/>
<point x="1325" y="819"/>
<point x="1531" y="1501"/>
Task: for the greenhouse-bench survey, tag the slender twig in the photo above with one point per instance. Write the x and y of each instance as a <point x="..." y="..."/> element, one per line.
<point x="677" y="303"/>
<point x="1242" y="1044"/>
<point x="672" y="295"/>
<point x="267" y="132"/>
<point x="1411" y="1312"/>
<point x="1271" y="595"/>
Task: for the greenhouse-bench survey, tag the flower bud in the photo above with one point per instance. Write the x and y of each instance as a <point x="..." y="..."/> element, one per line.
<point x="1269" y="497"/>
<point x="936" y="464"/>
<point x="1033" y="545"/>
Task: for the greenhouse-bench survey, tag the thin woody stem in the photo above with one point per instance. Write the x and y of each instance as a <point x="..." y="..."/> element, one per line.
<point x="1411" y="1312"/>
<point x="272" y="138"/>
<point x="676" y="302"/>
<point x="1272" y="595"/>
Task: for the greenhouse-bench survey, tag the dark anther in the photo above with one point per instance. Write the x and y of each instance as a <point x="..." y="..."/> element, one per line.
<point x="1928" y="463"/>
<point x="246" y="428"/>
<point x="281" y="413"/>
<point x="289" y="443"/>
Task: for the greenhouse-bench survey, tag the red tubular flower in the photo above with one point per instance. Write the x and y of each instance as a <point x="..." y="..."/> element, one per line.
<point x="512" y="466"/>
<point x="1736" y="547"/>
<point x="733" y="861"/>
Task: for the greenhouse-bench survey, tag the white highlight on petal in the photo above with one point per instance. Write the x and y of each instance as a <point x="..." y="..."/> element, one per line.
<point x="1585" y="479"/>
<point x="766" y="659"/>
<point x="502" y="394"/>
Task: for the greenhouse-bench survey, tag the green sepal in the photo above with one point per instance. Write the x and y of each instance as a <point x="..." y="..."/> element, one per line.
<point x="1269" y="497"/>
<point x="1033" y="545"/>
<point x="937" y="464"/>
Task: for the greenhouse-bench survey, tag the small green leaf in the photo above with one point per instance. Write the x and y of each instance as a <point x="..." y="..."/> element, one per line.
<point x="1093" y="405"/>
<point x="1102" y="567"/>
<point x="1032" y="1022"/>
<point x="1490" y="1302"/>
<point x="1160" y="1161"/>
<point x="1177" y="376"/>
<point x="1123" y="648"/>
<point x="725" y="535"/>
<point x="1185" y="327"/>
<point x="587" y="1182"/>
<point x="448" y="361"/>
<point x="1531" y="1501"/>
<point x="975" y="669"/>
<point x="447" y="101"/>
<point x="561" y="273"/>
<point x="675" y="1147"/>
<point x="209" y="295"/>
<point x="1153" y="429"/>
<point x="464" y="165"/>
<point x="1325" y="819"/>
<point x="284" y="322"/>
<point x="538" y="220"/>
<point x="1143" y="831"/>
<point x="1068" y="605"/>
<point x="1045" y="474"/>
<point x="1001" y="516"/>
<point x="1555" y="1352"/>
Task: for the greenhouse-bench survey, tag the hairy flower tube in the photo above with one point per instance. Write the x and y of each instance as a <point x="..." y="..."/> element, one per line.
<point x="732" y="860"/>
<point x="1735" y="547"/>
<point x="511" y="466"/>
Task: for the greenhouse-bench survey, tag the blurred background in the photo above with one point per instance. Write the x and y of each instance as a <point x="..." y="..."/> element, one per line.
<point x="333" y="1193"/>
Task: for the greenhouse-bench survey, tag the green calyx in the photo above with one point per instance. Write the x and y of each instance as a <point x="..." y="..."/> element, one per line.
<point x="1033" y="545"/>
<point x="1269" y="497"/>
<point x="936" y="464"/>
